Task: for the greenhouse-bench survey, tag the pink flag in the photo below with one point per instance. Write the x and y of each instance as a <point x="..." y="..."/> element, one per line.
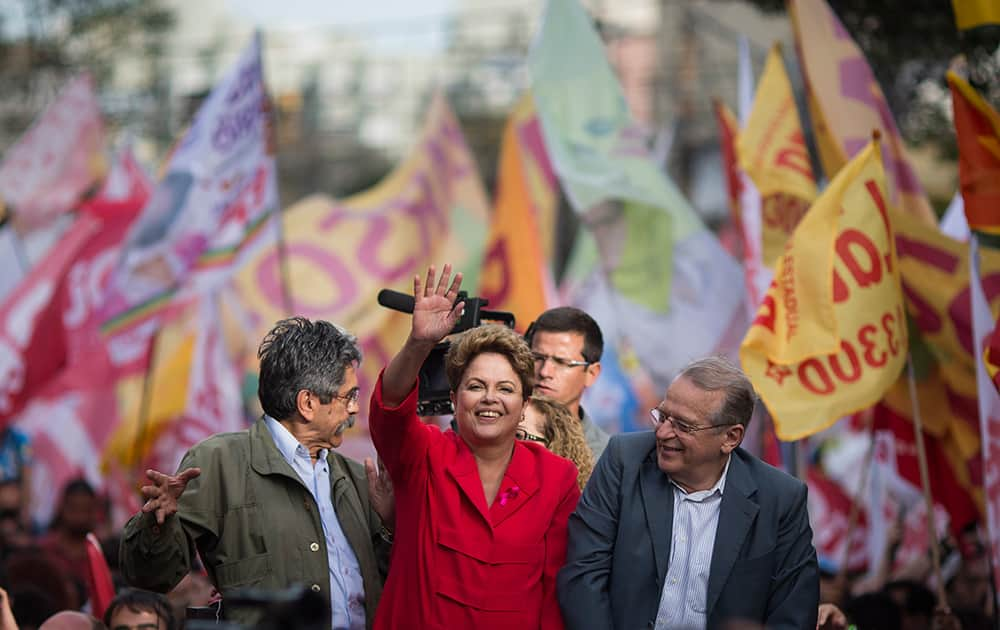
<point x="57" y="160"/>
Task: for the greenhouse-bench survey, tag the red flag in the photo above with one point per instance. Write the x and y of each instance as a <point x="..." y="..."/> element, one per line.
<point x="946" y="490"/>
<point x="100" y="585"/>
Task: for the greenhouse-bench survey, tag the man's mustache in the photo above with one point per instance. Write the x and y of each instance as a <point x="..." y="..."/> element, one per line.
<point x="346" y="424"/>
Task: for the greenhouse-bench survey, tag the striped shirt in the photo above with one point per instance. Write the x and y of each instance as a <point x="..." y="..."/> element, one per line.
<point x="685" y="588"/>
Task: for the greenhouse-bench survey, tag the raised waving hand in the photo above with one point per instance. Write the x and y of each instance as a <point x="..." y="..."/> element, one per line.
<point x="435" y="312"/>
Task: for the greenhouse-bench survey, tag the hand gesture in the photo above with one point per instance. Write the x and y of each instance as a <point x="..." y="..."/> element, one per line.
<point x="435" y="312"/>
<point x="162" y="495"/>
<point x="380" y="493"/>
<point x="830" y="618"/>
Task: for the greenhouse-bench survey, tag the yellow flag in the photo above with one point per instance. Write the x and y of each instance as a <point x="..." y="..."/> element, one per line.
<point x="973" y="13"/>
<point x="830" y="336"/>
<point x="772" y="151"/>
<point x="516" y="275"/>
<point x="846" y="103"/>
<point x="140" y="428"/>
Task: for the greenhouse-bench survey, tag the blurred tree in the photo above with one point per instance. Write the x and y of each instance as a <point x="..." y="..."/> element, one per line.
<point x="910" y="44"/>
<point x="60" y="38"/>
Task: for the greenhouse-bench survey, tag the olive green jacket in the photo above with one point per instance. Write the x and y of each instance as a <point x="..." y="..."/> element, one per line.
<point x="255" y="524"/>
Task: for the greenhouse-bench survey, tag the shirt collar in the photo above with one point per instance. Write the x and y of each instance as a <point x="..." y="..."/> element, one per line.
<point x="288" y="446"/>
<point x="701" y="495"/>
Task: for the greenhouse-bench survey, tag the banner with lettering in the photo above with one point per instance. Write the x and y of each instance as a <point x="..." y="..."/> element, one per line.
<point x="660" y="269"/>
<point x="431" y="209"/>
<point x="978" y="127"/>
<point x="830" y="337"/>
<point x="846" y="103"/>
<point x="57" y="160"/>
<point x="214" y="203"/>
<point x="517" y="275"/>
<point x="772" y="151"/>
<point x="32" y="340"/>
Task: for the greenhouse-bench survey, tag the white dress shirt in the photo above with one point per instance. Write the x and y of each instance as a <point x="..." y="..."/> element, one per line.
<point x="347" y="589"/>
<point x="685" y="587"/>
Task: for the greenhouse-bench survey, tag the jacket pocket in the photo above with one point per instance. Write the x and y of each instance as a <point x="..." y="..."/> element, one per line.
<point x="475" y="572"/>
<point x="244" y="572"/>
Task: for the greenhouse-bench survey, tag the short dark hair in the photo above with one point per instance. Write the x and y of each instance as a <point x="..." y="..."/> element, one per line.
<point x="300" y="354"/>
<point x="491" y="338"/>
<point x="718" y="373"/>
<point x="138" y="600"/>
<point x="79" y="486"/>
<point x="573" y="320"/>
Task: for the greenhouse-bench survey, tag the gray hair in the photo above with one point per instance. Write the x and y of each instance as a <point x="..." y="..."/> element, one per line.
<point x="300" y="354"/>
<point x="718" y="373"/>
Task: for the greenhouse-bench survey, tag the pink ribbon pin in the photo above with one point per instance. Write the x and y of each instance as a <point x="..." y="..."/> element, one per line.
<point x="509" y="495"/>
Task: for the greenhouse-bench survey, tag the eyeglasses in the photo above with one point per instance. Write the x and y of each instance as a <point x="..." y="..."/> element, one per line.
<point x="522" y="434"/>
<point x="350" y="398"/>
<point x="659" y="418"/>
<point x="560" y="362"/>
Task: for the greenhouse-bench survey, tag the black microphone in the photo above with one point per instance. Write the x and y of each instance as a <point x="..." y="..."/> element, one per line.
<point x="402" y="302"/>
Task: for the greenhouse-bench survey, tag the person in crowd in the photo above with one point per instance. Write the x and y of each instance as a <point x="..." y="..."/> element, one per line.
<point x="16" y="465"/>
<point x="916" y="603"/>
<point x="13" y="533"/>
<point x="567" y="345"/>
<point x="135" y="609"/>
<point x="480" y="516"/>
<point x="682" y="528"/>
<point x="874" y="611"/>
<point x="66" y="541"/>
<point x="273" y="505"/>
<point x="551" y="424"/>
<point x="72" y="620"/>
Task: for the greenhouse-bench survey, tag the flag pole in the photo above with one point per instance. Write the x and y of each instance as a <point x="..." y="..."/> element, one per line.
<point x="852" y="518"/>
<point x="271" y="140"/>
<point x="146" y="402"/>
<point x="925" y="480"/>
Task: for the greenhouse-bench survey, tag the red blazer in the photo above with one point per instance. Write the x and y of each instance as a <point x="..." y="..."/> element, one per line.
<point x="455" y="562"/>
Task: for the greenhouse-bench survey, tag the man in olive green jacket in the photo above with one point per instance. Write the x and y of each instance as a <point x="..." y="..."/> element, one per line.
<point x="274" y="505"/>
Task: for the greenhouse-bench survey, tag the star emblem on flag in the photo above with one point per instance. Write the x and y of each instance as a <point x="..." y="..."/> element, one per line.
<point x="777" y="372"/>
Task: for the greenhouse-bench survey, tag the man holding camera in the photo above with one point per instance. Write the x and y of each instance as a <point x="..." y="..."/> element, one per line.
<point x="274" y="505"/>
<point x="567" y="345"/>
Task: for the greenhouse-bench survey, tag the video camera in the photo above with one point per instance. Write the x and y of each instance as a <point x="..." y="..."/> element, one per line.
<point x="433" y="398"/>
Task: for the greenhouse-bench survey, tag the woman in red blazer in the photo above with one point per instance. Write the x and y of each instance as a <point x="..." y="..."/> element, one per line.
<point x="480" y="516"/>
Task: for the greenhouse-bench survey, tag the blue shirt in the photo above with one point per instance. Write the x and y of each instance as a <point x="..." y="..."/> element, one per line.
<point x="684" y="599"/>
<point x="347" y="590"/>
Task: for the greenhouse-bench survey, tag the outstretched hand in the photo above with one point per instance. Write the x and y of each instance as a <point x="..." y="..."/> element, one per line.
<point x="162" y="495"/>
<point x="435" y="311"/>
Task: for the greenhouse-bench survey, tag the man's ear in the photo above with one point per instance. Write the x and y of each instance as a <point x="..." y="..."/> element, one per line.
<point x="305" y="403"/>
<point x="732" y="438"/>
<point x="593" y="371"/>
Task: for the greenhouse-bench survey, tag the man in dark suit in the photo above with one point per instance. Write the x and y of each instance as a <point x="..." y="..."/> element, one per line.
<point x="681" y="528"/>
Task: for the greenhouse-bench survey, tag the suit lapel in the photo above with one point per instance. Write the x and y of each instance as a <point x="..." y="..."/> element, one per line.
<point x="520" y="483"/>
<point x="658" y="502"/>
<point x="463" y="470"/>
<point x="736" y="515"/>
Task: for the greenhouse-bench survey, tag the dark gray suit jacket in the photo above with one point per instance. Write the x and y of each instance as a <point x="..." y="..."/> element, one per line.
<point x="763" y="564"/>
